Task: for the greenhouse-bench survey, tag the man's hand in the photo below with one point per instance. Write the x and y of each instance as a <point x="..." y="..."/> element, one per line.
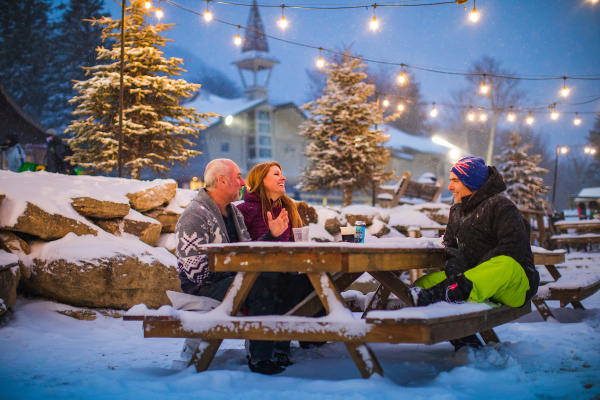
<point x="455" y="265"/>
<point x="278" y="225"/>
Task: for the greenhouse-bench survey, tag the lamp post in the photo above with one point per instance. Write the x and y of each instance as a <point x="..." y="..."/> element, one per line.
<point x="121" y="90"/>
<point x="588" y="150"/>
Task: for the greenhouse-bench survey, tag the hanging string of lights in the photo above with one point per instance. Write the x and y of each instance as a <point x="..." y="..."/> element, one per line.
<point x="402" y="77"/>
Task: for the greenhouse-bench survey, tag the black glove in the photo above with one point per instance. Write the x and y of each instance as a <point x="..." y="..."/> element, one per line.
<point x="455" y="265"/>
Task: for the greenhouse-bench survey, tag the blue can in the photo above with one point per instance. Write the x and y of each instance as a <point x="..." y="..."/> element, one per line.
<point x="359" y="235"/>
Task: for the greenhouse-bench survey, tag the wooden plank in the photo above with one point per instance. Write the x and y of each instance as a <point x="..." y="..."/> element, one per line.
<point x="393" y="283"/>
<point x="378" y="301"/>
<point x="294" y="261"/>
<point x="542" y="308"/>
<point x="553" y="271"/>
<point x="489" y="336"/>
<point x="204" y="354"/>
<point x="568" y="295"/>
<point x="548" y="258"/>
<point x="326" y="290"/>
<point x="395" y="260"/>
<point x="365" y="359"/>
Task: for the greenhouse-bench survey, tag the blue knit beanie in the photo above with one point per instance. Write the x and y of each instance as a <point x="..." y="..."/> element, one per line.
<point x="471" y="171"/>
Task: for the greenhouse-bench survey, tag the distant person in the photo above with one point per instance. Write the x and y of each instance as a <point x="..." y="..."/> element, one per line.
<point x="56" y="153"/>
<point x="13" y="153"/>
<point x="487" y="240"/>
<point x="212" y="218"/>
<point x="581" y="211"/>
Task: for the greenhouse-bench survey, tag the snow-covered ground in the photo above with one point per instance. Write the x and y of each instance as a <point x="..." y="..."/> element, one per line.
<point x="47" y="355"/>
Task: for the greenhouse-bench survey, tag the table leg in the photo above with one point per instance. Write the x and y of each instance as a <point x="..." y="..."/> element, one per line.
<point x="553" y="271"/>
<point x="363" y="356"/>
<point x="393" y="283"/>
<point x="378" y="301"/>
<point x="542" y="308"/>
<point x="233" y="300"/>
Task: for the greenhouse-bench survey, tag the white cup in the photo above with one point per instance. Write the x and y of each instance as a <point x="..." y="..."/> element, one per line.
<point x="301" y="234"/>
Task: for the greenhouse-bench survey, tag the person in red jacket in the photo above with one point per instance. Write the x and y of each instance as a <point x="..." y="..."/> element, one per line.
<point x="265" y="200"/>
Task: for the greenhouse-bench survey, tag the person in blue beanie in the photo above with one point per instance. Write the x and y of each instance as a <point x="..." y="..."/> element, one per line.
<point x="487" y="244"/>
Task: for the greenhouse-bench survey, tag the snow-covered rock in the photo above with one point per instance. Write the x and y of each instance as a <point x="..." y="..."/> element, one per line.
<point x="9" y="279"/>
<point x="89" y="207"/>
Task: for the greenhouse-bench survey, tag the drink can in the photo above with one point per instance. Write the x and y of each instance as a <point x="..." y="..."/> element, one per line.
<point x="359" y="235"/>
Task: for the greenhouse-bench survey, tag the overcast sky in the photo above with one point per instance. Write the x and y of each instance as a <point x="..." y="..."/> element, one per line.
<point x="529" y="37"/>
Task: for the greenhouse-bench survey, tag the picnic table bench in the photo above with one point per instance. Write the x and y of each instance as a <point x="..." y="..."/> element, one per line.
<point x="587" y="232"/>
<point x="407" y="190"/>
<point x="567" y="289"/>
<point x="331" y="267"/>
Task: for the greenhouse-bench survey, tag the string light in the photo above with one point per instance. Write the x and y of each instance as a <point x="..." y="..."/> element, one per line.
<point x="564" y="150"/>
<point x="474" y="14"/>
<point x="433" y="113"/>
<point x="483" y="117"/>
<point x="374" y="24"/>
<point x="386" y="103"/>
<point x="282" y="23"/>
<point x="589" y="150"/>
<point x="400" y="107"/>
<point x="554" y="114"/>
<point x="593" y="1"/>
<point x="483" y="88"/>
<point x="237" y="40"/>
<point x="470" y="115"/>
<point x="529" y="120"/>
<point x="511" y="117"/>
<point x="564" y="92"/>
<point x="402" y="78"/>
<point x="159" y="13"/>
<point x="148" y="5"/>
<point x="207" y="14"/>
<point x="320" y="61"/>
<point x="576" y="120"/>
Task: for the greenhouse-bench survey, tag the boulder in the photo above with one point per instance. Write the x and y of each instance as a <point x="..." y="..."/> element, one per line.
<point x="367" y="219"/>
<point x="378" y="228"/>
<point x="307" y="213"/>
<point x="89" y="207"/>
<point x="120" y="282"/>
<point x="167" y="218"/>
<point x="332" y="226"/>
<point x="9" y="279"/>
<point x="145" y="228"/>
<point x="153" y="197"/>
<point x="42" y="224"/>
<point x="14" y="244"/>
<point x="168" y="241"/>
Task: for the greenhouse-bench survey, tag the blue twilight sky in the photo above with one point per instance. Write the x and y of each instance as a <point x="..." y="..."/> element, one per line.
<point x="529" y="37"/>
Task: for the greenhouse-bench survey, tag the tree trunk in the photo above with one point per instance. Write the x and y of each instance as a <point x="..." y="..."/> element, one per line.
<point x="347" y="196"/>
<point x="490" y="150"/>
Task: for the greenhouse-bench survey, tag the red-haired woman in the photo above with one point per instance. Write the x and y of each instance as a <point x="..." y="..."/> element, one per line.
<point x="265" y="200"/>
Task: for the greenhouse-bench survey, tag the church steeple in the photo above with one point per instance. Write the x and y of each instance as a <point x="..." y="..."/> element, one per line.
<point x="257" y="63"/>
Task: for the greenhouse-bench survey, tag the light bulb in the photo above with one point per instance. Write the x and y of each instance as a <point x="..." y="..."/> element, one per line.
<point x="587" y="149"/>
<point x="386" y="103"/>
<point x="374" y="24"/>
<point x="484" y="88"/>
<point x="554" y="115"/>
<point x="320" y="62"/>
<point x="148" y="5"/>
<point x="529" y="120"/>
<point x="401" y="79"/>
<point x="471" y="116"/>
<point x="400" y="107"/>
<point x="483" y="117"/>
<point x="434" y="112"/>
<point x="474" y="15"/>
<point x="577" y="121"/>
<point x="159" y="13"/>
<point x="511" y="117"/>
<point x="564" y="92"/>
<point x="564" y="150"/>
<point x="237" y="40"/>
<point x="592" y="151"/>
<point x="282" y="23"/>
<point x="207" y="16"/>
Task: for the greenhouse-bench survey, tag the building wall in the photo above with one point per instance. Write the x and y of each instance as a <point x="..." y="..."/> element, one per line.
<point x="289" y="145"/>
<point x="438" y="164"/>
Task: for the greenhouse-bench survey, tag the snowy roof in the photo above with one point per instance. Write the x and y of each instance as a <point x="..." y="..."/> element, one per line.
<point x="590" y="192"/>
<point x="400" y="140"/>
<point x="222" y="106"/>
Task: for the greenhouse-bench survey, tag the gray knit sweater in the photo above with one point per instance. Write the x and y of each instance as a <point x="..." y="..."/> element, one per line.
<point x="202" y="223"/>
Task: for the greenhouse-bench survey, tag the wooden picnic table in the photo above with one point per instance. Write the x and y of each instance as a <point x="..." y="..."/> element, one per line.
<point x="331" y="267"/>
<point x="580" y="226"/>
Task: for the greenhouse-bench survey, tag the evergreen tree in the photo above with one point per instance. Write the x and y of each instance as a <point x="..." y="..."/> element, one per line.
<point x="521" y="174"/>
<point x="26" y="40"/>
<point x="344" y="145"/>
<point x="593" y="173"/>
<point x="157" y="130"/>
<point x="75" y="48"/>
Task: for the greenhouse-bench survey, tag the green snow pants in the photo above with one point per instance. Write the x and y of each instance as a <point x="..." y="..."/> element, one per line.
<point x="500" y="278"/>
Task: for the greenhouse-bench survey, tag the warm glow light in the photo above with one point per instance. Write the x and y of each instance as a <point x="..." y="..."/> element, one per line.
<point x="511" y="117"/>
<point x="386" y="103"/>
<point x="454" y="154"/>
<point x="228" y="120"/>
<point x="483" y="117"/>
<point x="529" y="120"/>
<point x="320" y="62"/>
<point x="283" y="23"/>
<point x="474" y="15"/>
<point x="401" y="79"/>
<point x="434" y="112"/>
<point x="484" y="88"/>
<point x="576" y="121"/>
<point x="592" y="151"/>
<point x="564" y="92"/>
<point x="554" y="115"/>
<point x="593" y="1"/>
<point x="564" y="150"/>
<point x="159" y="13"/>
<point x="237" y="40"/>
<point x="442" y="142"/>
<point x="374" y="24"/>
<point x="148" y="4"/>
<point x="207" y="16"/>
<point x="471" y="116"/>
<point x="400" y="107"/>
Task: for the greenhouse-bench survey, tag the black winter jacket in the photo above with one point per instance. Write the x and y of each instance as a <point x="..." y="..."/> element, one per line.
<point x="487" y="224"/>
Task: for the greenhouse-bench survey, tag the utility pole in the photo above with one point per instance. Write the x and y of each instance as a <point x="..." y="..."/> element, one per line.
<point x="121" y="90"/>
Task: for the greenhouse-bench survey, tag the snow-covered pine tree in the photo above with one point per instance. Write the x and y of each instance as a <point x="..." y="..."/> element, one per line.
<point x="521" y="173"/>
<point x="344" y="145"/>
<point x="157" y="130"/>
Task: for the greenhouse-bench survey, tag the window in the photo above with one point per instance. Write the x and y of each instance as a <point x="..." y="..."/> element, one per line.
<point x="260" y="143"/>
<point x="224" y="147"/>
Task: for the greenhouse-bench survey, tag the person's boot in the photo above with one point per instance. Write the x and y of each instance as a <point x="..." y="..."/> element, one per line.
<point x="265" y="367"/>
<point x="452" y="292"/>
<point x="470" y="341"/>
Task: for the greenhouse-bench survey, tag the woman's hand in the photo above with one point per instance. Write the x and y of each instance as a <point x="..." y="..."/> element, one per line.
<point x="278" y="225"/>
